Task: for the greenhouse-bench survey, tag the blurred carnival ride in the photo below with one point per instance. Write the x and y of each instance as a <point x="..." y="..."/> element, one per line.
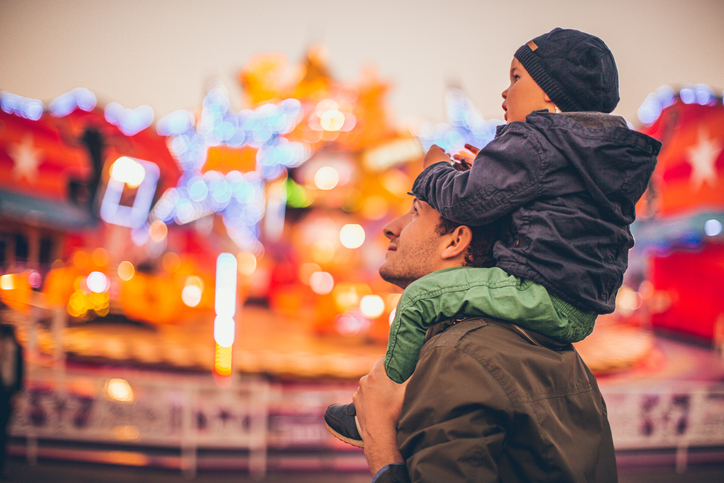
<point x="105" y="220"/>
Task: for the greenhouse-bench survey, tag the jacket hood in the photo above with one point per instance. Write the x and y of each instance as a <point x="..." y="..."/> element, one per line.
<point x="617" y="173"/>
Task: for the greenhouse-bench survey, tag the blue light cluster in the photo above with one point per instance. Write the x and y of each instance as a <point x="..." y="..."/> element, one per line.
<point x="466" y="126"/>
<point x="697" y="94"/>
<point x="259" y="128"/>
<point x="79" y="98"/>
<point x="129" y="121"/>
<point x="21" y="106"/>
<point x="666" y="96"/>
<point x="240" y="197"/>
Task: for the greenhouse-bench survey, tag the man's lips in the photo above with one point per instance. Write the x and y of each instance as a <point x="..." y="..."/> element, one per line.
<point x="391" y="248"/>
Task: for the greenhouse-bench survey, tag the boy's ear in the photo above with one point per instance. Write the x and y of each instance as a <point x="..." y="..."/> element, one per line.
<point x="457" y="242"/>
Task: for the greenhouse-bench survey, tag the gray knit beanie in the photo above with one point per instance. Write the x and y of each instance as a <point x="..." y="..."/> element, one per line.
<point x="575" y="69"/>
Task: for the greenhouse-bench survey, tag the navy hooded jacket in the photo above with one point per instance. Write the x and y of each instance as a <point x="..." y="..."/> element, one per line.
<point x="567" y="185"/>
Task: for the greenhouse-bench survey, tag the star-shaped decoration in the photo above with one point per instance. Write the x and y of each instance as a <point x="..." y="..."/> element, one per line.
<point x="702" y="157"/>
<point x="239" y="197"/>
<point x="26" y="158"/>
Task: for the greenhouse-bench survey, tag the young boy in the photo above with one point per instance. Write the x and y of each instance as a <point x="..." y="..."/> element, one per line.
<point x="563" y="176"/>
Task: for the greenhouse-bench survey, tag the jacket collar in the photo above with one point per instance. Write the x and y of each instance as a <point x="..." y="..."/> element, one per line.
<point x="532" y="337"/>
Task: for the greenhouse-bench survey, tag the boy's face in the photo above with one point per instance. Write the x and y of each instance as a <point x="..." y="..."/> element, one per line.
<point x="523" y="96"/>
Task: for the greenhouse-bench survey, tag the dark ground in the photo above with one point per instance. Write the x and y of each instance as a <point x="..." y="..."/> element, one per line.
<point x="64" y="472"/>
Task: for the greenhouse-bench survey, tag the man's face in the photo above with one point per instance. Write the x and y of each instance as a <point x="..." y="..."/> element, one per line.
<point x="523" y="96"/>
<point x="414" y="247"/>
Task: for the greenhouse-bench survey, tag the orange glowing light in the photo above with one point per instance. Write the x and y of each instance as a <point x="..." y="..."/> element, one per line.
<point x="158" y="231"/>
<point x="222" y="360"/>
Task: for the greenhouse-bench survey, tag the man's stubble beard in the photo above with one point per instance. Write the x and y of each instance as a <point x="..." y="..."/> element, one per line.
<point x="407" y="264"/>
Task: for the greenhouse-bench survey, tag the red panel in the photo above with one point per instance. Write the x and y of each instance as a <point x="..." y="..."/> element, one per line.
<point x="694" y="283"/>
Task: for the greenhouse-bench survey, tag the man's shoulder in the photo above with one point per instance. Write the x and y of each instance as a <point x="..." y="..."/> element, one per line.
<point x="506" y="352"/>
<point x="477" y="334"/>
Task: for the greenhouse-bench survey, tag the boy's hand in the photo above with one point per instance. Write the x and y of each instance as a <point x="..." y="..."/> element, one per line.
<point x="464" y="160"/>
<point x="434" y="155"/>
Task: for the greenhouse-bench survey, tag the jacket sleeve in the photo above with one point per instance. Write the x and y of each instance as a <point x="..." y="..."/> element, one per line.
<point x="505" y="175"/>
<point x="453" y="429"/>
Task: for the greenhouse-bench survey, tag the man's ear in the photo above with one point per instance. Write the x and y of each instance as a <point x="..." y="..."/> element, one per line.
<point x="457" y="242"/>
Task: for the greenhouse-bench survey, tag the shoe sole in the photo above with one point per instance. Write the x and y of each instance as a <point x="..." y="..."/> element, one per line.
<point x="345" y="439"/>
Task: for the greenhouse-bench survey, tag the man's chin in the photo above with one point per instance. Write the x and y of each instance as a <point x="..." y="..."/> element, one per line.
<point x="389" y="275"/>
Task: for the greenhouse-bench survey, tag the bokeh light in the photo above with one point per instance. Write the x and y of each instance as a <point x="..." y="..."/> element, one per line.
<point x="126" y="270"/>
<point x="246" y="262"/>
<point x="352" y="236"/>
<point x="347" y="295"/>
<point x="306" y="270"/>
<point x="192" y="291"/>
<point x="351" y="323"/>
<point x="712" y="227"/>
<point x="128" y="170"/>
<point x="627" y="301"/>
<point x="372" y="306"/>
<point x="321" y="282"/>
<point x="97" y="282"/>
<point x="34" y="279"/>
<point x="158" y="231"/>
<point x="326" y="178"/>
<point x="119" y="390"/>
<point x="332" y="120"/>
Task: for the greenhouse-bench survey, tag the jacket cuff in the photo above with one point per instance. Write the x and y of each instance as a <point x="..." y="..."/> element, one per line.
<point x="392" y="473"/>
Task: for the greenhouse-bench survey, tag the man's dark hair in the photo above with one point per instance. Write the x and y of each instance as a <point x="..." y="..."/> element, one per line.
<point x="480" y="250"/>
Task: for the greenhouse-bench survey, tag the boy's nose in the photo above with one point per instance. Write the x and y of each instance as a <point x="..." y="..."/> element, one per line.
<point x="505" y="94"/>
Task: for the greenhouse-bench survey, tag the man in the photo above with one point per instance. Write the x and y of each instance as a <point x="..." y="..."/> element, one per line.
<point x="11" y="382"/>
<point x="488" y="401"/>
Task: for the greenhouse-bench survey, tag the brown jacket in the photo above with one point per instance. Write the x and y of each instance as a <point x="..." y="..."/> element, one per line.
<point x="492" y="402"/>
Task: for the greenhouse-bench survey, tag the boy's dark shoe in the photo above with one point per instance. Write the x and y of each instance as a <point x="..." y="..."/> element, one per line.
<point x="341" y="421"/>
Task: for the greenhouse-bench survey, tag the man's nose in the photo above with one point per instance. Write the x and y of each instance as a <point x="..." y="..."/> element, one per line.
<point x="505" y="94"/>
<point x="392" y="229"/>
<point x="387" y="230"/>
